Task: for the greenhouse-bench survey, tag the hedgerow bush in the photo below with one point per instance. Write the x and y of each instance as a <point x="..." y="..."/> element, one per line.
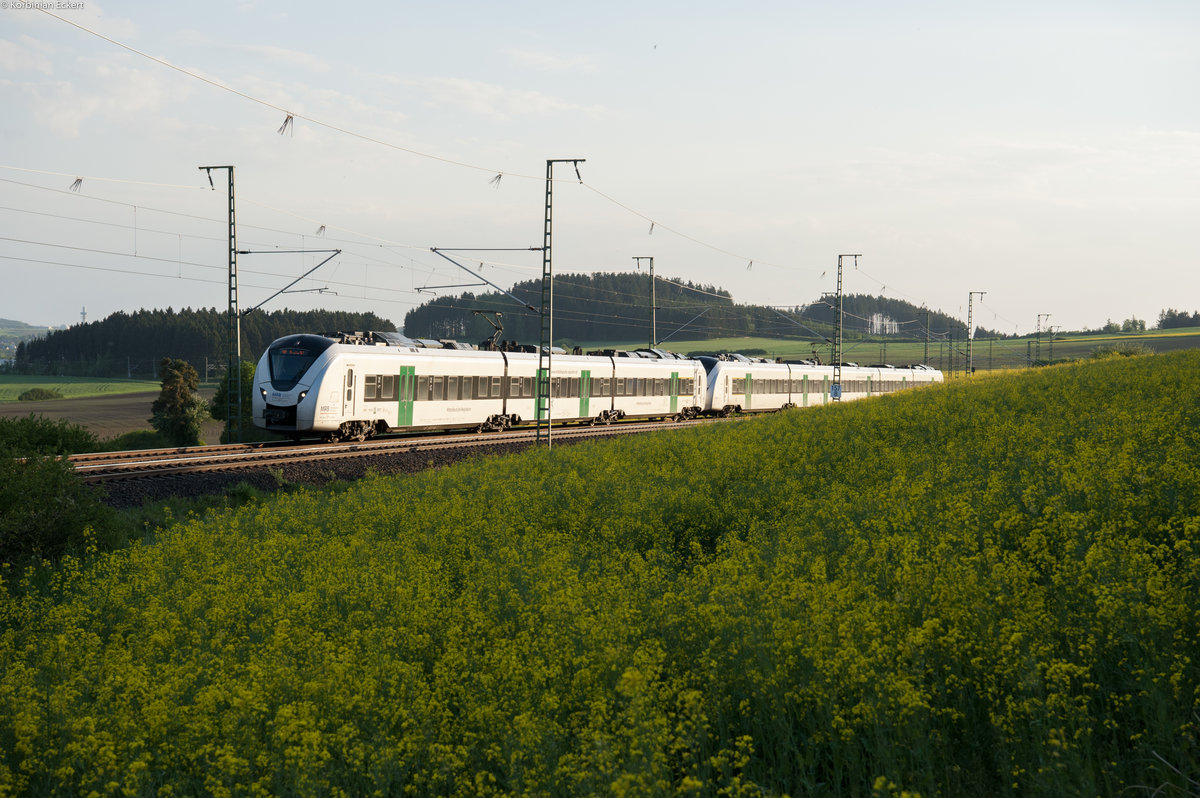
<point x="44" y="509"/>
<point x="39" y="395"/>
<point x="982" y="588"/>
<point x="36" y="434"/>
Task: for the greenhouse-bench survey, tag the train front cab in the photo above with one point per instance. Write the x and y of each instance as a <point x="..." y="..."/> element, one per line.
<point x="282" y="381"/>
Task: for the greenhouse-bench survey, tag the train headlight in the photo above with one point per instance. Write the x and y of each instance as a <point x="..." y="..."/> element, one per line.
<point x="263" y="391"/>
<point x="301" y="397"/>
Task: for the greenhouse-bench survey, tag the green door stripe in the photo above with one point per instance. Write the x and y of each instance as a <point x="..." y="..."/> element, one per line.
<point x="406" y="391"/>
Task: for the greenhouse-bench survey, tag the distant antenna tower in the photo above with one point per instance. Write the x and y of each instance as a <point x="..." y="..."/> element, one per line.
<point x="83" y="315"/>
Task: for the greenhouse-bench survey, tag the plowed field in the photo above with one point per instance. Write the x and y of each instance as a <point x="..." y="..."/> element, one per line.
<point x="105" y="416"/>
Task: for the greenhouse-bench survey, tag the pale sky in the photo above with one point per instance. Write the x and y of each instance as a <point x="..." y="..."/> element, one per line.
<point x="1046" y="153"/>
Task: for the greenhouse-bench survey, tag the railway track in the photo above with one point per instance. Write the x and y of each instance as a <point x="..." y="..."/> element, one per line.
<point x="113" y="467"/>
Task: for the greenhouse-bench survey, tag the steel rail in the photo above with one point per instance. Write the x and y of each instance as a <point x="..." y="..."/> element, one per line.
<point x="113" y="466"/>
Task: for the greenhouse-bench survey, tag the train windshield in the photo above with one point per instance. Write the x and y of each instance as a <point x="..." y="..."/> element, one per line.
<point x="290" y="358"/>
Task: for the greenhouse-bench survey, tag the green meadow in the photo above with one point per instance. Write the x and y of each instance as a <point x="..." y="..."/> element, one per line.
<point x="988" y="587"/>
<point x="13" y="385"/>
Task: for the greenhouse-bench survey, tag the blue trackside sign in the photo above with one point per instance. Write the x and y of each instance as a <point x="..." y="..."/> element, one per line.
<point x="835" y="390"/>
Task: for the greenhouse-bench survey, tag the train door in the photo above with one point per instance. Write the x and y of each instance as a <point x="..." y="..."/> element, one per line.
<point x="348" y="404"/>
<point x="585" y="393"/>
<point x="408" y="391"/>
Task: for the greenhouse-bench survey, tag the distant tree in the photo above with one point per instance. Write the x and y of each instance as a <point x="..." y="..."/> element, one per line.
<point x="178" y="413"/>
<point x="219" y="406"/>
<point x="1171" y="318"/>
<point x="1133" y="325"/>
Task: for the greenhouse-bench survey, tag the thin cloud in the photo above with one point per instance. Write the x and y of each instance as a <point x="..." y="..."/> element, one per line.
<point x="552" y="62"/>
<point x="497" y="102"/>
<point x="115" y="92"/>
<point x="266" y="52"/>
<point x="28" y="55"/>
<point x="286" y="56"/>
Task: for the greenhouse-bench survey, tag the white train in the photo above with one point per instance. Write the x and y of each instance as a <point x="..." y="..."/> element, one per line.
<point x="349" y="386"/>
<point x="352" y="386"/>
<point x="738" y="384"/>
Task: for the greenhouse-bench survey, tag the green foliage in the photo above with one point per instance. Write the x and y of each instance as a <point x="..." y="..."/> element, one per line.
<point x="45" y="510"/>
<point x="218" y="406"/>
<point x="39" y="395"/>
<point x="35" y="434"/>
<point x="178" y="414"/>
<point x="982" y="588"/>
<point x="1122" y="349"/>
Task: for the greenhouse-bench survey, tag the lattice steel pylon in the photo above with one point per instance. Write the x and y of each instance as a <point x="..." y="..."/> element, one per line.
<point x="971" y="328"/>
<point x="835" y="389"/>
<point x="233" y="395"/>
<point x="543" y="381"/>
<point x="1037" y="356"/>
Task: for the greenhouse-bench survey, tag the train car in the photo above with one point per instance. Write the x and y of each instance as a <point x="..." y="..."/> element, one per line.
<point x="349" y="386"/>
<point x="738" y="384"/>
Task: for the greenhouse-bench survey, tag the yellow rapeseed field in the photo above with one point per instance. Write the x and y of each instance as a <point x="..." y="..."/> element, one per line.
<point x="984" y="588"/>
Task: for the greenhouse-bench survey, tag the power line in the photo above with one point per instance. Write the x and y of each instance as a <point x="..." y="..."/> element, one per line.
<point x="292" y="115"/>
<point x="79" y="178"/>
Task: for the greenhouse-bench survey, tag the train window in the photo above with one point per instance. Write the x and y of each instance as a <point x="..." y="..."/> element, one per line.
<point x="369" y="389"/>
<point x="495" y="387"/>
<point x="387" y="387"/>
<point x="436" y="384"/>
<point x="467" y="388"/>
<point x="514" y="387"/>
<point x="452" y="388"/>
<point x="527" y="386"/>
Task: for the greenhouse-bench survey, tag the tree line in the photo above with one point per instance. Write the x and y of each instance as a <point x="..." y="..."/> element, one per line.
<point x="132" y="344"/>
<point x="616" y="307"/>
<point x="1173" y="319"/>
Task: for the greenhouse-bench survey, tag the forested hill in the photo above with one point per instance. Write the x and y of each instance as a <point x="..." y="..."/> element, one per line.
<point x="616" y="307"/>
<point x="131" y="344"/>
